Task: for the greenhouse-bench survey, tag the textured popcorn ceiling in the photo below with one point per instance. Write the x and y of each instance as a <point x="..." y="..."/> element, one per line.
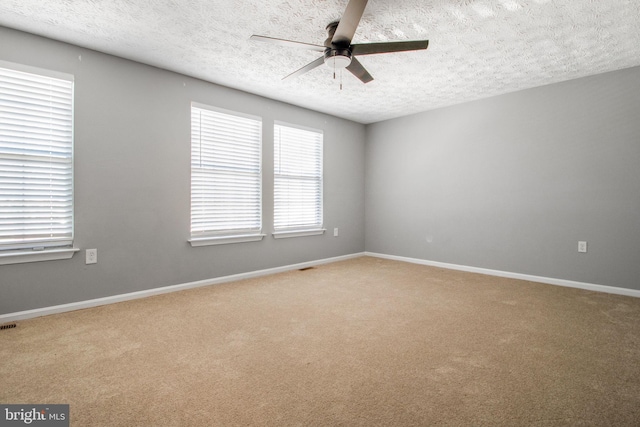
<point x="478" y="48"/>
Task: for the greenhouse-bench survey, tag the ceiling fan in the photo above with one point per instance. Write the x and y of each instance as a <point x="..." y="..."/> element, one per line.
<point x="338" y="52"/>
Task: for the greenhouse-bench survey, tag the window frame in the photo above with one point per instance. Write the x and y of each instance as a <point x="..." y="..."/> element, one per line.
<point x="226" y="236"/>
<point x="56" y="249"/>
<point x="308" y="229"/>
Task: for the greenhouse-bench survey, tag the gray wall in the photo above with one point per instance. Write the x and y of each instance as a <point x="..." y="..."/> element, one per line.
<point x="509" y="183"/>
<point x="513" y="182"/>
<point x="132" y="182"/>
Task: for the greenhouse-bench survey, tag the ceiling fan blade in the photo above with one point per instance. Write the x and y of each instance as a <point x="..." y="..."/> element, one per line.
<point x="388" y="47"/>
<point x="359" y="71"/>
<point x="289" y="43"/>
<point x="310" y="66"/>
<point x="349" y="22"/>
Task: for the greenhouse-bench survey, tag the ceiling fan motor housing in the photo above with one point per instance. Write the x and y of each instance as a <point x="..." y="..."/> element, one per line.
<point x="336" y="55"/>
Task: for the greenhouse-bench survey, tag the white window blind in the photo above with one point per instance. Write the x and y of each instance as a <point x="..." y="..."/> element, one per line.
<point x="298" y="178"/>
<point x="36" y="160"/>
<point x="226" y="173"/>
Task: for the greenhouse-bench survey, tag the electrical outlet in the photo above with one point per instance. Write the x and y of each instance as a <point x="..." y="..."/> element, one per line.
<point x="91" y="256"/>
<point x="335" y="232"/>
<point x="582" y="246"/>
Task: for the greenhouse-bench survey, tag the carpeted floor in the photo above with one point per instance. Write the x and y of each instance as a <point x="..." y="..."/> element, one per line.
<point x="364" y="342"/>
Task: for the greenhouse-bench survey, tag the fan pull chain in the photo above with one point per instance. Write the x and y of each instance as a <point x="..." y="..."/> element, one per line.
<point x="334" y="72"/>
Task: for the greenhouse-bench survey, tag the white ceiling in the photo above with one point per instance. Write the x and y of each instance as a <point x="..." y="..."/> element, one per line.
<point x="478" y="48"/>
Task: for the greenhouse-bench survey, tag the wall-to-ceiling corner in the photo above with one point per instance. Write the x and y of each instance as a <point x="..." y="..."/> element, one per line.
<point x="512" y="183"/>
<point x="132" y="182"/>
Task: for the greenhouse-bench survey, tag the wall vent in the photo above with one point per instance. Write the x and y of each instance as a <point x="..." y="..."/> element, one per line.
<point x="7" y="326"/>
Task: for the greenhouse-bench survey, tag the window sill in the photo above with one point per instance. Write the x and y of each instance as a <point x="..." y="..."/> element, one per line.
<point x="19" y="257"/>
<point x="225" y="240"/>
<point x="298" y="233"/>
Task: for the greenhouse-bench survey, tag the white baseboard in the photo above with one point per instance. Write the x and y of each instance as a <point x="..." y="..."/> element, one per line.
<point x="528" y="277"/>
<point x="28" y="314"/>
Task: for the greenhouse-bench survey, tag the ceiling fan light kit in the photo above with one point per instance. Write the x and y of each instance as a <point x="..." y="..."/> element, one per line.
<point x="338" y="52"/>
<point x="337" y="58"/>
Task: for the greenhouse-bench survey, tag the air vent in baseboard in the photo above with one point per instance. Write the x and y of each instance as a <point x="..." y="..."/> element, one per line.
<point x="7" y="326"/>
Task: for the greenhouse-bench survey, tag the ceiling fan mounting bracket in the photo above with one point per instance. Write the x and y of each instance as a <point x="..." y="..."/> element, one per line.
<point x="331" y="30"/>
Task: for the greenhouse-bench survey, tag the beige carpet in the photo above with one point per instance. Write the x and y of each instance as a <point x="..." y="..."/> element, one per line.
<point x="364" y="342"/>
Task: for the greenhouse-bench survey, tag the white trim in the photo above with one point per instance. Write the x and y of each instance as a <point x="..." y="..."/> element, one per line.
<point x="547" y="280"/>
<point x="19" y="257"/>
<point x="37" y="70"/>
<point x="298" y="233"/>
<point x="225" y="111"/>
<point x="224" y="240"/>
<point x="29" y="314"/>
<point x="297" y="126"/>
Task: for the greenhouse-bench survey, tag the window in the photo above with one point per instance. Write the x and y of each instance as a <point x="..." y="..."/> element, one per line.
<point x="297" y="181"/>
<point x="36" y="164"/>
<point x="226" y="176"/>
